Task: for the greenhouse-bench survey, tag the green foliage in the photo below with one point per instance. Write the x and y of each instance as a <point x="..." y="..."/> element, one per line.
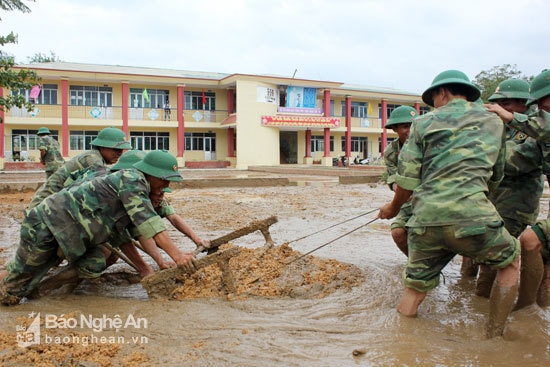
<point x="488" y="80"/>
<point x="40" y="57"/>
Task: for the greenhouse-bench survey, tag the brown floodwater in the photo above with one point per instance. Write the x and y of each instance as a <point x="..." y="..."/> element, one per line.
<point x="358" y="327"/>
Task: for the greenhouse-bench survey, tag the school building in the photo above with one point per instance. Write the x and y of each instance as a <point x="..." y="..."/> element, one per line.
<point x="205" y="119"/>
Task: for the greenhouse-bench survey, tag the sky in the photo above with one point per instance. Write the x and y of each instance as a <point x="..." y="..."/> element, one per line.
<point x="401" y="44"/>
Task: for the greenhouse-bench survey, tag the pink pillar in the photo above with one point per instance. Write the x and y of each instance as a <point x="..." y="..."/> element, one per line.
<point x="417" y="107"/>
<point x="326" y="113"/>
<point x="384" y="120"/>
<point x="308" y="143"/>
<point x="230" y="142"/>
<point x="2" y="127"/>
<point x="65" y="117"/>
<point x="181" y="122"/>
<point x="348" y="127"/>
<point x="230" y="101"/>
<point x="125" y="107"/>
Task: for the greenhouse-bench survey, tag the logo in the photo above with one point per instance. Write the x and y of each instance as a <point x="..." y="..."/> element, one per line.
<point x="29" y="335"/>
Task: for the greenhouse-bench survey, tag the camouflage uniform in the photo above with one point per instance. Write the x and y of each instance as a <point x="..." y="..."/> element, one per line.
<point x="518" y="195"/>
<point x="391" y="155"/>
<point x="77" y="220"/>
<point x="453" y="156"/>
<point x="52" y="159"/>
<point x="56" y="181"/>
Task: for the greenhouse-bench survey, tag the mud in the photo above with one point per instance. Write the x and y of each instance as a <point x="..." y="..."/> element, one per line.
<point x="346" y="316"/>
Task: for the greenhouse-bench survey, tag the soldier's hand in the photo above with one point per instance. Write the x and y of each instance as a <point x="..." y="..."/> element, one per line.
<point x="187" y="259"/>
<point x="387" y="211"/>
<point x="204" y="243"/>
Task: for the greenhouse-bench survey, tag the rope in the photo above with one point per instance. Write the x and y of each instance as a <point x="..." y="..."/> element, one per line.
<point x="334" y="225"/>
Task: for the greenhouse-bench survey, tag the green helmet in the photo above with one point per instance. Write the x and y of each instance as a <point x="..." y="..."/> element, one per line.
<point x="450" y="77"/>
<point x="111" y="137"/>
<point x="401" y="115"/>
<point x="511" y="88"/>
<point x="128" y="159"/>
<point x="43" y="131"/>
<point x="540" y="87"/>
<point x="160" y="164"/>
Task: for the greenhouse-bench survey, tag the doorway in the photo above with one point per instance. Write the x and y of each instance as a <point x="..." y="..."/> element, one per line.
<point x="288" y="147"/>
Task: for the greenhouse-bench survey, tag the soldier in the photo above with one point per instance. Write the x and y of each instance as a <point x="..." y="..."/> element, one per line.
<point x="535" y="254"/>
<point x="518" y="195"/>
<point x="453" y="156"/>
<point x="106" y="149"/>
<point x="50" y="156"/>
<point x="400" y="122"/>
<point x="74" y="222"/>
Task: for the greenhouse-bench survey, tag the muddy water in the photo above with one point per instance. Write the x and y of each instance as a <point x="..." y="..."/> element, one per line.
<point x="308" y="332"/>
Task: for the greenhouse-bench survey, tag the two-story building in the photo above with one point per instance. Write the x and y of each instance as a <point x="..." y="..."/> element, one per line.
<point x="205" y="119"/>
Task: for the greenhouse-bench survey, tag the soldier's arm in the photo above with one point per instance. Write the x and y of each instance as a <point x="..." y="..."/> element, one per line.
<point x="130" y="250"/>
<point x="165" y="242"/>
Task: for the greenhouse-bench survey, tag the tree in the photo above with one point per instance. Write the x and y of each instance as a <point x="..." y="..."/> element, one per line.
<point x="488" y="80"/>
<point x="40" y="57"/>
<point x="10" y="79"/>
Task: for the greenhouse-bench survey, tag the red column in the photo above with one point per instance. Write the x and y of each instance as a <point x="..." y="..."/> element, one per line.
<point x="384" y="120"/>
<point x="230" y="142"/>
<point x="125" y="107"/>
<point x="308" y="143"/>
<point x="326" y="113"/>
<point x="2" y="127"/>
<point x="65" y="117"/>
<point x="417" y="107"/>
<point x="181" y="122"/>
<point x="230" y="101"/>
<point x="348" y="127"/>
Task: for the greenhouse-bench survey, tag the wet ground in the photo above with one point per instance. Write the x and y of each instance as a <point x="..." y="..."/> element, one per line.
<point x="357" y="327"/>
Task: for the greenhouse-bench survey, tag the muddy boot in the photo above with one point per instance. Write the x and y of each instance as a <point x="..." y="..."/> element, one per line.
<point x="500" y="306"/>
<point x="532" y="270"/>
<point x="485" y="280"/>
<point x="468" y="267"/>
<point x="543" y="296"/>
<point x="65" y="280"/>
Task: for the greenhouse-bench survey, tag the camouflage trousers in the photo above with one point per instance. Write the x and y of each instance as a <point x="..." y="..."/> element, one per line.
<point x="37" y="253"/>
<point x="431" y="249"/>
<point x="542" y="230"/>
<point x="403" y="216"/>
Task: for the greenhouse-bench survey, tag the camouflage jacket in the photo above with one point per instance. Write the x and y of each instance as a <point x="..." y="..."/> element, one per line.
<point x="518" y="194"/>
<point x="56" y="181"/>
<point x="53" y="158"/>
<point x="391" y="154"/>
<point x="452" y="157"/>
<point x="536" y="125"/>
<point x="99" y="210"/>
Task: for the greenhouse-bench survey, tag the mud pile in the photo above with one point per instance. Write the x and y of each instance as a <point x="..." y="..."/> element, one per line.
<point x="276" y="271"/>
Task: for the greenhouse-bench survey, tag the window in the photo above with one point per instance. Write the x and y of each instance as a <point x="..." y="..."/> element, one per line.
<point x="90" y="96"/>
<point x="25" y="140"/>
<point x="332" y="107"/>
<point x="193" y="101"/>
<point x="424" y="110"/>
<point x="358" y="143"/>
<point x="195" y="141"/>
<point x="150" y="140"/>
<point x="318" y="143"/>
<point x="358" y="109"/>
<point x="81" y="139"/>
<point x="157" y="98"/>
<point x="48" y="94"/>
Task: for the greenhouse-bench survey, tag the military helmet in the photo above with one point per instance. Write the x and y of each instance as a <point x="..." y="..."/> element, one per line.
<point x="511" y="88"/>
<point x="160" y="164"/>
<point x="451" y="77"/>
<point x="128" y="159"/>
<point x="401" y="115"/>
<point x="43" y="130"/>
<point x="111" y="137"/>
<point x="540" y="87"/>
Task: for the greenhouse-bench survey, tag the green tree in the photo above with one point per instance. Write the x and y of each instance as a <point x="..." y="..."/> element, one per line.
<point x="488" y="80"/>
<point x="40" y="57"/>
<point x="10" y="79"/>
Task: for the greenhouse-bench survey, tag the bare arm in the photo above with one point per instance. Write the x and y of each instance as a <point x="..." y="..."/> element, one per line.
<point x="390" y="210"/>
<point x="178" y="222"/>
<point x="150" y="247"/>
<point x="130" y="250"/>
<point x="165" y="242"/>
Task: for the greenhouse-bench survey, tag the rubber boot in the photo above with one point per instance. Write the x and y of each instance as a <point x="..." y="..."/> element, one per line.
<point x="468" y="267"/>
<point x="65" y="277"/>
<point x="532" y="270"/>
<point x="485" y="280"/>
<point x="500" y="306"/>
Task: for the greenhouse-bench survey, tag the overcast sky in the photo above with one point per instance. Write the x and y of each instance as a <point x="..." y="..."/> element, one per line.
<point x="399" y="44"/>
